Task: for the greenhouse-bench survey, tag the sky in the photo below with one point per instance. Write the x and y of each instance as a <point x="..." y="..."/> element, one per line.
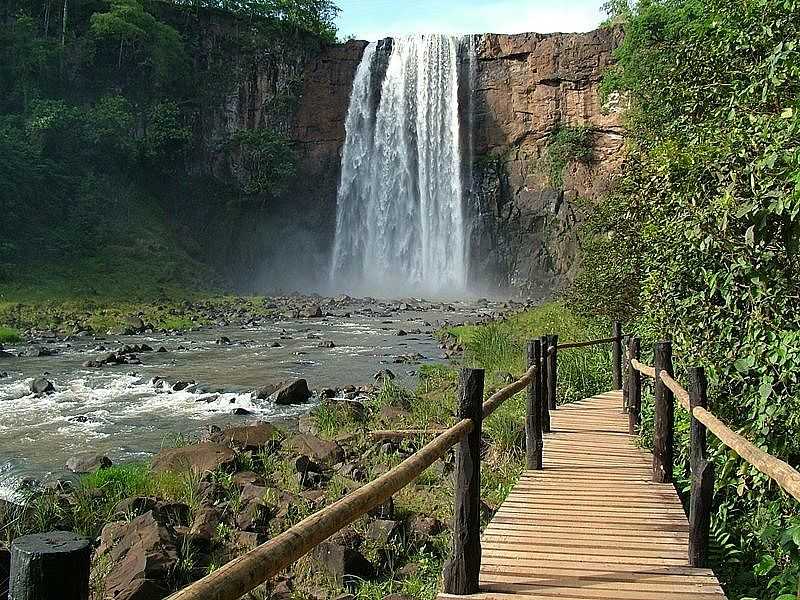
<point x="376" y="19"/>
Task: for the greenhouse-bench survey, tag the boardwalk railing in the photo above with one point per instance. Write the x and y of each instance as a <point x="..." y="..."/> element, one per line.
<point x="695" y="401"/>
<point x="261" y="564"/>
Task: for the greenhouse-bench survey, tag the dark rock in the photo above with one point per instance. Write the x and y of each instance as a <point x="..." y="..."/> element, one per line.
<point x="205" y="523"/>
<point x="161" y="350"/>
<point x="303" y="465"/>
<point x="87" y="462"/>
<point x="143" y="553"/>
<point x="249" y="437"/>
<point x="39" y="351"/>
<point x="312" y="312"/>
<point x="181" y="385"/>
<point x="131" y="508"/>
<point x="343" y="565"/>
<point x="382" y="531"/>
<point x="327" y="344"/>
<point x="324" y="451"/>
<point x="244" y="478"/>
<point x="384" y="511"/>
<point x="296" y="392"/>
<point x="402" y="332"/>
<point x="200" y="458"/>
<point x="310" y="480"/>
<point x="241" y="411"/>
<point x="223" y="341"/>
<point x="40" y="385"/>
<point x="6" y="354"/>
<point x="3" y="374"/>
<point x="264" y="392"/>
<point x="327" y="393"/>
<point x="384" y="374"/>
<point x="275" y="345"/>
<point x="79" y="419"/>
<point x="424" y="527"/>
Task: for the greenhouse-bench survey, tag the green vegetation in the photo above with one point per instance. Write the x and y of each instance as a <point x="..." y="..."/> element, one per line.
<point x="699" y="242"/>
<point x="98" y="114"/>
<point x="9" y="336"/>
<point x="567" y="144"/>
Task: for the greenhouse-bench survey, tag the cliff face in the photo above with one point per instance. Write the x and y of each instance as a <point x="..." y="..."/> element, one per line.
<point x="528" y="88"/>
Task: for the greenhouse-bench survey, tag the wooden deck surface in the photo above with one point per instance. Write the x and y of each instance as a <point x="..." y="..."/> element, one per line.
<point x="592" y="525"/>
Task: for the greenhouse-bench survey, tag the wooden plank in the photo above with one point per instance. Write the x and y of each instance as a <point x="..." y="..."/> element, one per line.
<point x="592" y="525"/>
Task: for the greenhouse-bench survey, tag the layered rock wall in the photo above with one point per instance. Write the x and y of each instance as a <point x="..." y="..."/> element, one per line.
<point x="528" y="87"/>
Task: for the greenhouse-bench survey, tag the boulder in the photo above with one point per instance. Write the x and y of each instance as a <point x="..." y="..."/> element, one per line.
<point x="381" y="531"/>
<point x="207" y="456"/>
<point x="6" y="354"/>
<point x="384" y="374"/>
<point x="143" y="553"/>
<point x="342" y="564"/>
<point x="244" y="478"/>
<point x="312" y="312"/>
<point x="205" y="523"/>
<point x="134" y="324"/>
<point x="249" y="437"/>
<point x="130" y="508"/>
<point x="324" y="451"/>
<point x="384" y="511"/>
<point x="296" y="392"/>
<point x="327" y="344"/>
<point x="40" y="386"/>
<point x="423" y="527"/>
<point x="87" y="462"/>
<point x="264" y="392"/>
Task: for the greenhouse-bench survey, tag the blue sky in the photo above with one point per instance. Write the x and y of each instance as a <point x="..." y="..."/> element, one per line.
<point x="374" y="19"/>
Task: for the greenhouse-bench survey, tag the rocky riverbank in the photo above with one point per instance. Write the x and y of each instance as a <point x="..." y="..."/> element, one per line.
<point x="156" y="526"/>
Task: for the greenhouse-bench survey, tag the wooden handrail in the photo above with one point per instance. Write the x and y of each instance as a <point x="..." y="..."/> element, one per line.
<point x="643" y="368"/>
<point x="496" y="400"/>
<point x="782" y="473"/>
<point x="587" y="343"/>
<point x="245" y="573"/>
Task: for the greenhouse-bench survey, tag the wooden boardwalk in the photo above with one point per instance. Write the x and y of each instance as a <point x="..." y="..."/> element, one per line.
<point x="592" y="525"/>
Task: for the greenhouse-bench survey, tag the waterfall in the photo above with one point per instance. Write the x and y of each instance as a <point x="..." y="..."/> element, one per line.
<point x="401" y="223"/>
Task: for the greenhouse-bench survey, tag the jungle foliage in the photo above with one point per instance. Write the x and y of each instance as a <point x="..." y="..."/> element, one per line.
<point x="699" y="242"/>
<point x="99" y="102"/>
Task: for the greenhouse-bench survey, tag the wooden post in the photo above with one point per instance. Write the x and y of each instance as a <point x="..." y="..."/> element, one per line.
<point x="462" y="569"/>
<point x="664" y="427"/>
<point x="702" y="494"/>
<point x="552" y="373"/>
<point x="626" y="375"/>
<point x="533" y="421"/>
<point x="545" y="387"/>
<point x="50" y="566"/>
<point x="634" y="389"/>
<point x="616" y="356"/>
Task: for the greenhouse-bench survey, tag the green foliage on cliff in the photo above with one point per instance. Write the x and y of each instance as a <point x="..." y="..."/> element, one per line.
<point x="700" y="241"/>
<point x="98" y="112"/>
<point x="567" y="144"/>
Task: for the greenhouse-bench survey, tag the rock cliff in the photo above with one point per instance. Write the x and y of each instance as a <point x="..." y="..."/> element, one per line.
<point x="529" y="87"/>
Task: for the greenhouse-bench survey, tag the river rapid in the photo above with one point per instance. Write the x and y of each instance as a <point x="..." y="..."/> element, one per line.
<point x="119" y="411"/>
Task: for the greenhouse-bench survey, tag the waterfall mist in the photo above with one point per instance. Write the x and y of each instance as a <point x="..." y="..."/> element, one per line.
<point x="401" y="224"/>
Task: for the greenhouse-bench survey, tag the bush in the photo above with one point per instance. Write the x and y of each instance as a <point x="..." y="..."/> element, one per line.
<point x="567" y="144"/>
<point x="703" y="234"/>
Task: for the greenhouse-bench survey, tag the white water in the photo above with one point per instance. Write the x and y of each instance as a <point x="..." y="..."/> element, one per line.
<point x="400" y="224"/>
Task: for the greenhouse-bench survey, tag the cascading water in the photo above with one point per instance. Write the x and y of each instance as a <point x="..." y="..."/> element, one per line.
<point x="401" y="223"/>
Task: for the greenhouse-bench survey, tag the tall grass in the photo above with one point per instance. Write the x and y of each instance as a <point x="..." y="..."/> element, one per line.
<point x="500" y="347"/>
<point x="9" y="335"/>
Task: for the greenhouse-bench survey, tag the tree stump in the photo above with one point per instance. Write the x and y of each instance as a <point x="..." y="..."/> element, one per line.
<point x="50" y="566"/>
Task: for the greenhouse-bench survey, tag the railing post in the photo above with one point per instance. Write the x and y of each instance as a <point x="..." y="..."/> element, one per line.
<point x="545" y="340"/>
<point x="702" y="495"/>
<point x="634" y="388"/>
<point x="463" y="567"/>
<point x="51" y="565"/>
<point x="664" y="427"/>
<point x="552" y="373"/>
<point x="626" y="374"/>
<point x="616" y="356"/>
<point x="533" y="421"/>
